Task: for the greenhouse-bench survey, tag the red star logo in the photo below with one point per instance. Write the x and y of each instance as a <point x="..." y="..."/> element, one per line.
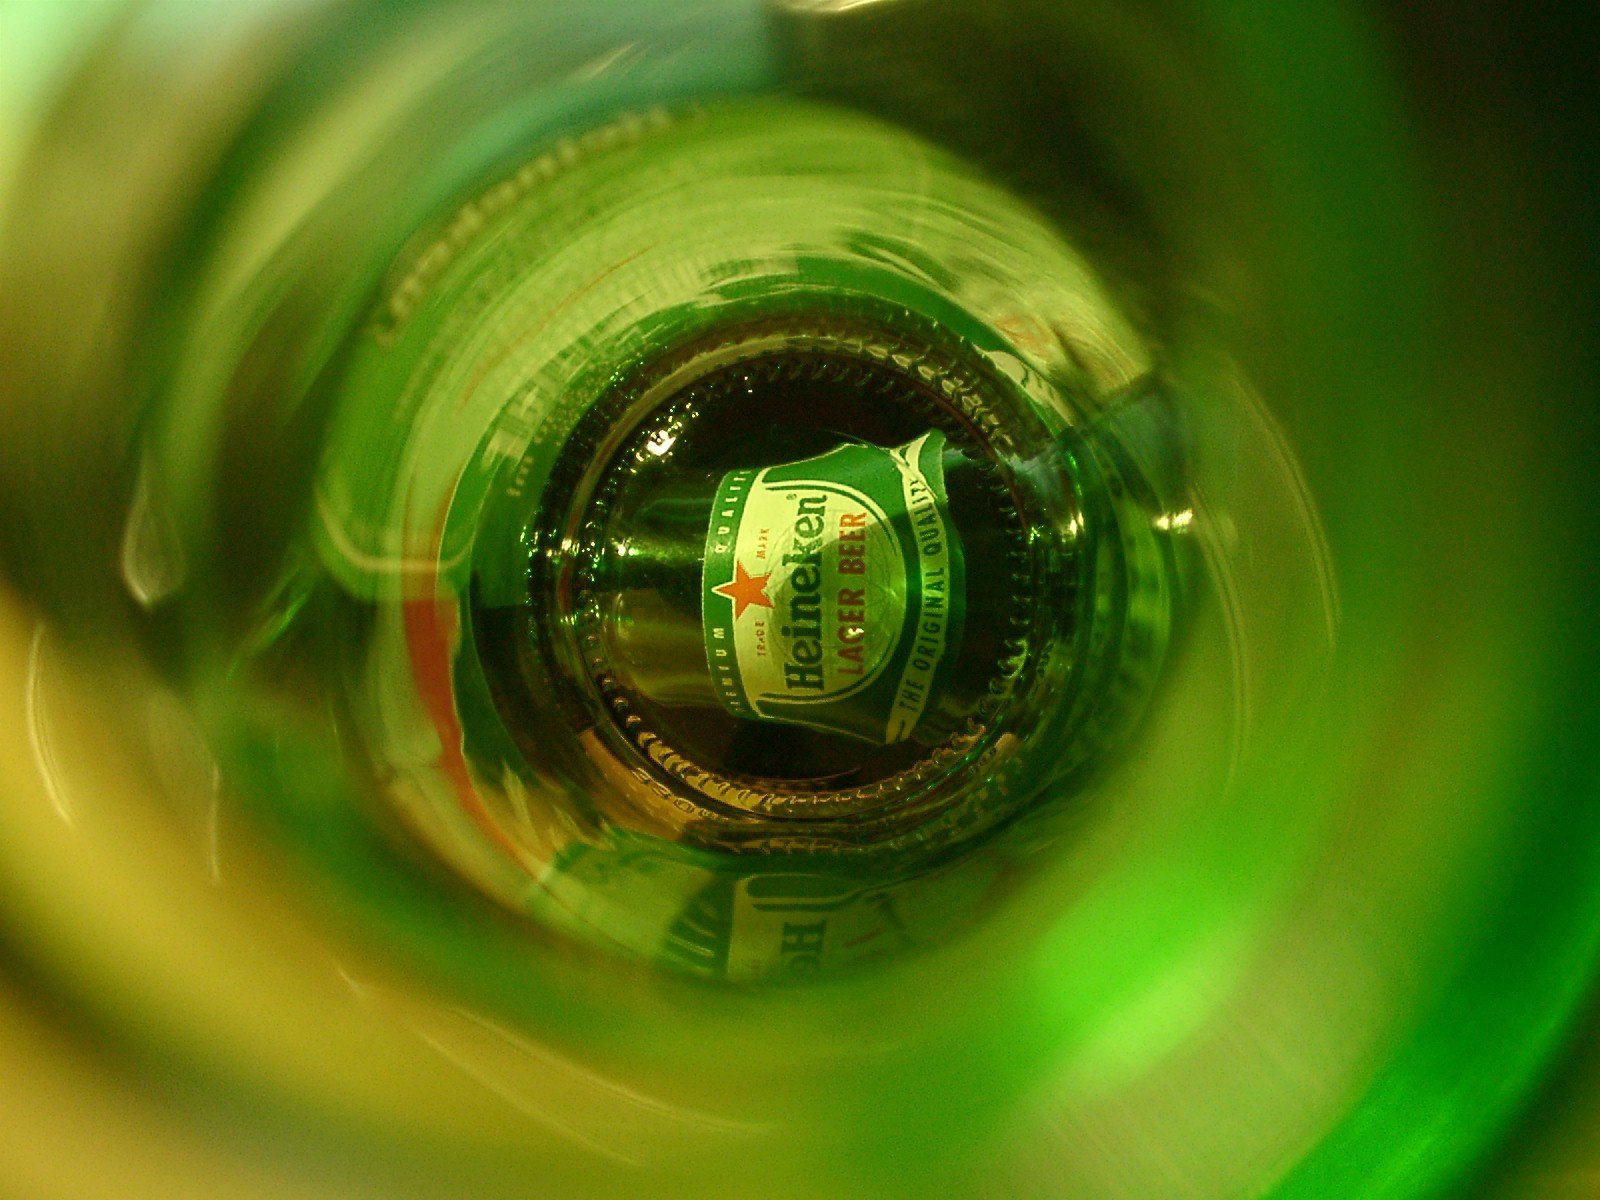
<point x="745" y="589"/>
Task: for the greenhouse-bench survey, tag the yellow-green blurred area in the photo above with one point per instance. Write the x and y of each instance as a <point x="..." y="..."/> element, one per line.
<point x="1328" y="926"/>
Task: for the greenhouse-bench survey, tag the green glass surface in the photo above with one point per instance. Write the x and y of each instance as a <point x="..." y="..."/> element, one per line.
<point x="1280" y="877"/>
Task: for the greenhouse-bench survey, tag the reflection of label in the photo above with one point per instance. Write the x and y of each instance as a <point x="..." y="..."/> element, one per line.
<point x="794" y="926"/>
<point x="833" y="589"/>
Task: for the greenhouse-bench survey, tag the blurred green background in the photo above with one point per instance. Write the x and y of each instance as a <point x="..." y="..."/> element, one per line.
<point x="1431" y="243"/>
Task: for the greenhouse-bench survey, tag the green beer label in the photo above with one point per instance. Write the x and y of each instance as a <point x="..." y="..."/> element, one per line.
<point x="833" y="592"/>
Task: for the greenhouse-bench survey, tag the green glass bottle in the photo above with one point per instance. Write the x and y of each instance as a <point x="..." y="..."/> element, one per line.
<point x="383" y="440"/>
<point x="816" y="583"/>
<point x="865" y="593"/>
